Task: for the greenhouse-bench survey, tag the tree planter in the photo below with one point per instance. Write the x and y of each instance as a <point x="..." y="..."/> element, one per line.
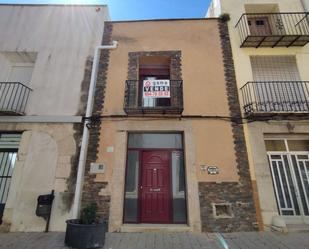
<point x="84" y="236"/>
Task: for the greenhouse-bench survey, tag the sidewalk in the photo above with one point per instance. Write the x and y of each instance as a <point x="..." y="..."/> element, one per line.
<point x="252" y="240"/>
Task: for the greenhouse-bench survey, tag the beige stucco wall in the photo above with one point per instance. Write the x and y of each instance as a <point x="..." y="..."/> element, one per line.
<point x="43" y="164"/>
<point x="254" y="132"/>
<point x="206" y="141"/>
<point x="202" y="66"/>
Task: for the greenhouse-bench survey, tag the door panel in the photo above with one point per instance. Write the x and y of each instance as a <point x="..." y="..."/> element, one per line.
<point x="290" y="173"/>
<point x="284" y="189"/>
<point x="155" y="187"/>
<point x="301" y="169"/>
<point x="259" y="26"/>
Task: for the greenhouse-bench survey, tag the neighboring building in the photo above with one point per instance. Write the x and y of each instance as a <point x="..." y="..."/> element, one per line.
<point x="45" y="58"/>
<point x="271" y="55"/>
<point x="166" y="140"/>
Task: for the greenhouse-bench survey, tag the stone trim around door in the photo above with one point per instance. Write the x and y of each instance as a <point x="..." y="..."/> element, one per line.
<point x="118" y="176"/>
<point x="238" y="195"/>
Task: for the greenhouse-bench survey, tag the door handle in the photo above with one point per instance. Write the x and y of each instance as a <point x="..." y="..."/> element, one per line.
<point x="155" y="189"/>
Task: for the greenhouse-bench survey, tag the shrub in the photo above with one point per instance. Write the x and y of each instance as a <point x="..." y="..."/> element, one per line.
<point x="88" y="215"/>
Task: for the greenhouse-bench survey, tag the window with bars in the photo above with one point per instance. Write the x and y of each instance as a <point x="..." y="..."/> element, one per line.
<point x="8" y="155"/>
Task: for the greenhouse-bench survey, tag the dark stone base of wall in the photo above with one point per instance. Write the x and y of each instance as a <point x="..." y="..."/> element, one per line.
<point x="92" y="196"/>
<point x="242" y="207"/>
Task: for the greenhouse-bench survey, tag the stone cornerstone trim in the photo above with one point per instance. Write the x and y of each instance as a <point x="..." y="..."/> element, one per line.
<point x="238" y="194"/>
<point x="175" y="69"/>
<point x="91" y="188"/>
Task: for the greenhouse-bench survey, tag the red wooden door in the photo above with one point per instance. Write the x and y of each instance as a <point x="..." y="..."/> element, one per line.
<point x="155" y="187"/>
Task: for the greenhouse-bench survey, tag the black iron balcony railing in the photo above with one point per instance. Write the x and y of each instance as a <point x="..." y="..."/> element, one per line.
<point x="135" y="104"/>
<point x="273" y="29"/>
<point x="13" y="98"/>
<point x="275" y="97"/>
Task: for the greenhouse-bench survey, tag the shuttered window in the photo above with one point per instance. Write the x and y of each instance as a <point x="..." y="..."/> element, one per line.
<point x="8" y="155"/>
<point x="9" y="140"/>
<point x="274" y="68"/>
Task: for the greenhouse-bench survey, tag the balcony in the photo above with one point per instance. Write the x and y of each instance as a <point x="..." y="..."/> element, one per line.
<point x="134" y="104"/>
<point x="13" y="98"/>
<point x="273" y="29"/>
<point x="275" y="97"/>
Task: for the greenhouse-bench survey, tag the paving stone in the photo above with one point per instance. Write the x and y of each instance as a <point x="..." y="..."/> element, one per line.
<point x="241" y="240"/>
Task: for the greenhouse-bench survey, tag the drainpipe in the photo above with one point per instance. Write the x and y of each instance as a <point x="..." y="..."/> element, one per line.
<point x="85" y="138"/>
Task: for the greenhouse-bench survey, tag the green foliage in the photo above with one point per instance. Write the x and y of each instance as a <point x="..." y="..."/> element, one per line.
<point x="88" y="215"/>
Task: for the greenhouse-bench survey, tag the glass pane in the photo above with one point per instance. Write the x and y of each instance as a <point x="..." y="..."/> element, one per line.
<point x="152" y="140"/>
<point x="300" y="173"/>
<point x="275" y="145"/>
<point x="292" y="189"/>
<point x="279" y="185"/>
<point x="179" y="194"/>
<point x="149" y="102"/>
<point x="131" y="187"/>
<point x="287" y="212"/>
<point x="298" y="145"/>
<point x="285" y="186"/>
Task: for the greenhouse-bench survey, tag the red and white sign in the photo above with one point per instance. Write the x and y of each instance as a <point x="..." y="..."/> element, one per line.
<point x="156" y="89"/>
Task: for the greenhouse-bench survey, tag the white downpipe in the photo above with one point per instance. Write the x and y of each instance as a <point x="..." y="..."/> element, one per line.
<point x="84" y="145"/>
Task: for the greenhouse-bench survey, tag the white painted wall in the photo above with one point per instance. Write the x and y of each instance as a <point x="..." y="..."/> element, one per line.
<point x="63" y="37"/>
<point x="56" y="40"/>
<point x="44" y="163"/>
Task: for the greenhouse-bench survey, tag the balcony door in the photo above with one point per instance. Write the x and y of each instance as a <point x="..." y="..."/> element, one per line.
<point x="259" y="26"/>
<point x="21" y="73"/>
<point x="159" y="73"/>
<point x="277" y="84"/>
<point x="14" y="94"/>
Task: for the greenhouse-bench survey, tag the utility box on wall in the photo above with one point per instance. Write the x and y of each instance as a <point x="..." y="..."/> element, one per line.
<point x="97" y="168"/>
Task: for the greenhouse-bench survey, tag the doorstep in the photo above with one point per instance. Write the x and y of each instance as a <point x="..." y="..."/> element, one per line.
<point x="137" y="228"/>
<point x="298" y="228"/>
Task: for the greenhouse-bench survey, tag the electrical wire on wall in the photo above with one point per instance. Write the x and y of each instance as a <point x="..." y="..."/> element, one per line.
<point x="236" y="120"/>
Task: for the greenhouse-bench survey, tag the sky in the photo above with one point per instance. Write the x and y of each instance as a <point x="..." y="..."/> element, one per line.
<point x="138" y="9"/>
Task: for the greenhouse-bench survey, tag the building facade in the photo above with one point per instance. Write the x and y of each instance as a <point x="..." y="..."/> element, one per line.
<point x="45" y="62"/>
<point x="166" y="148"/>
<point x="270" y="48"/>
